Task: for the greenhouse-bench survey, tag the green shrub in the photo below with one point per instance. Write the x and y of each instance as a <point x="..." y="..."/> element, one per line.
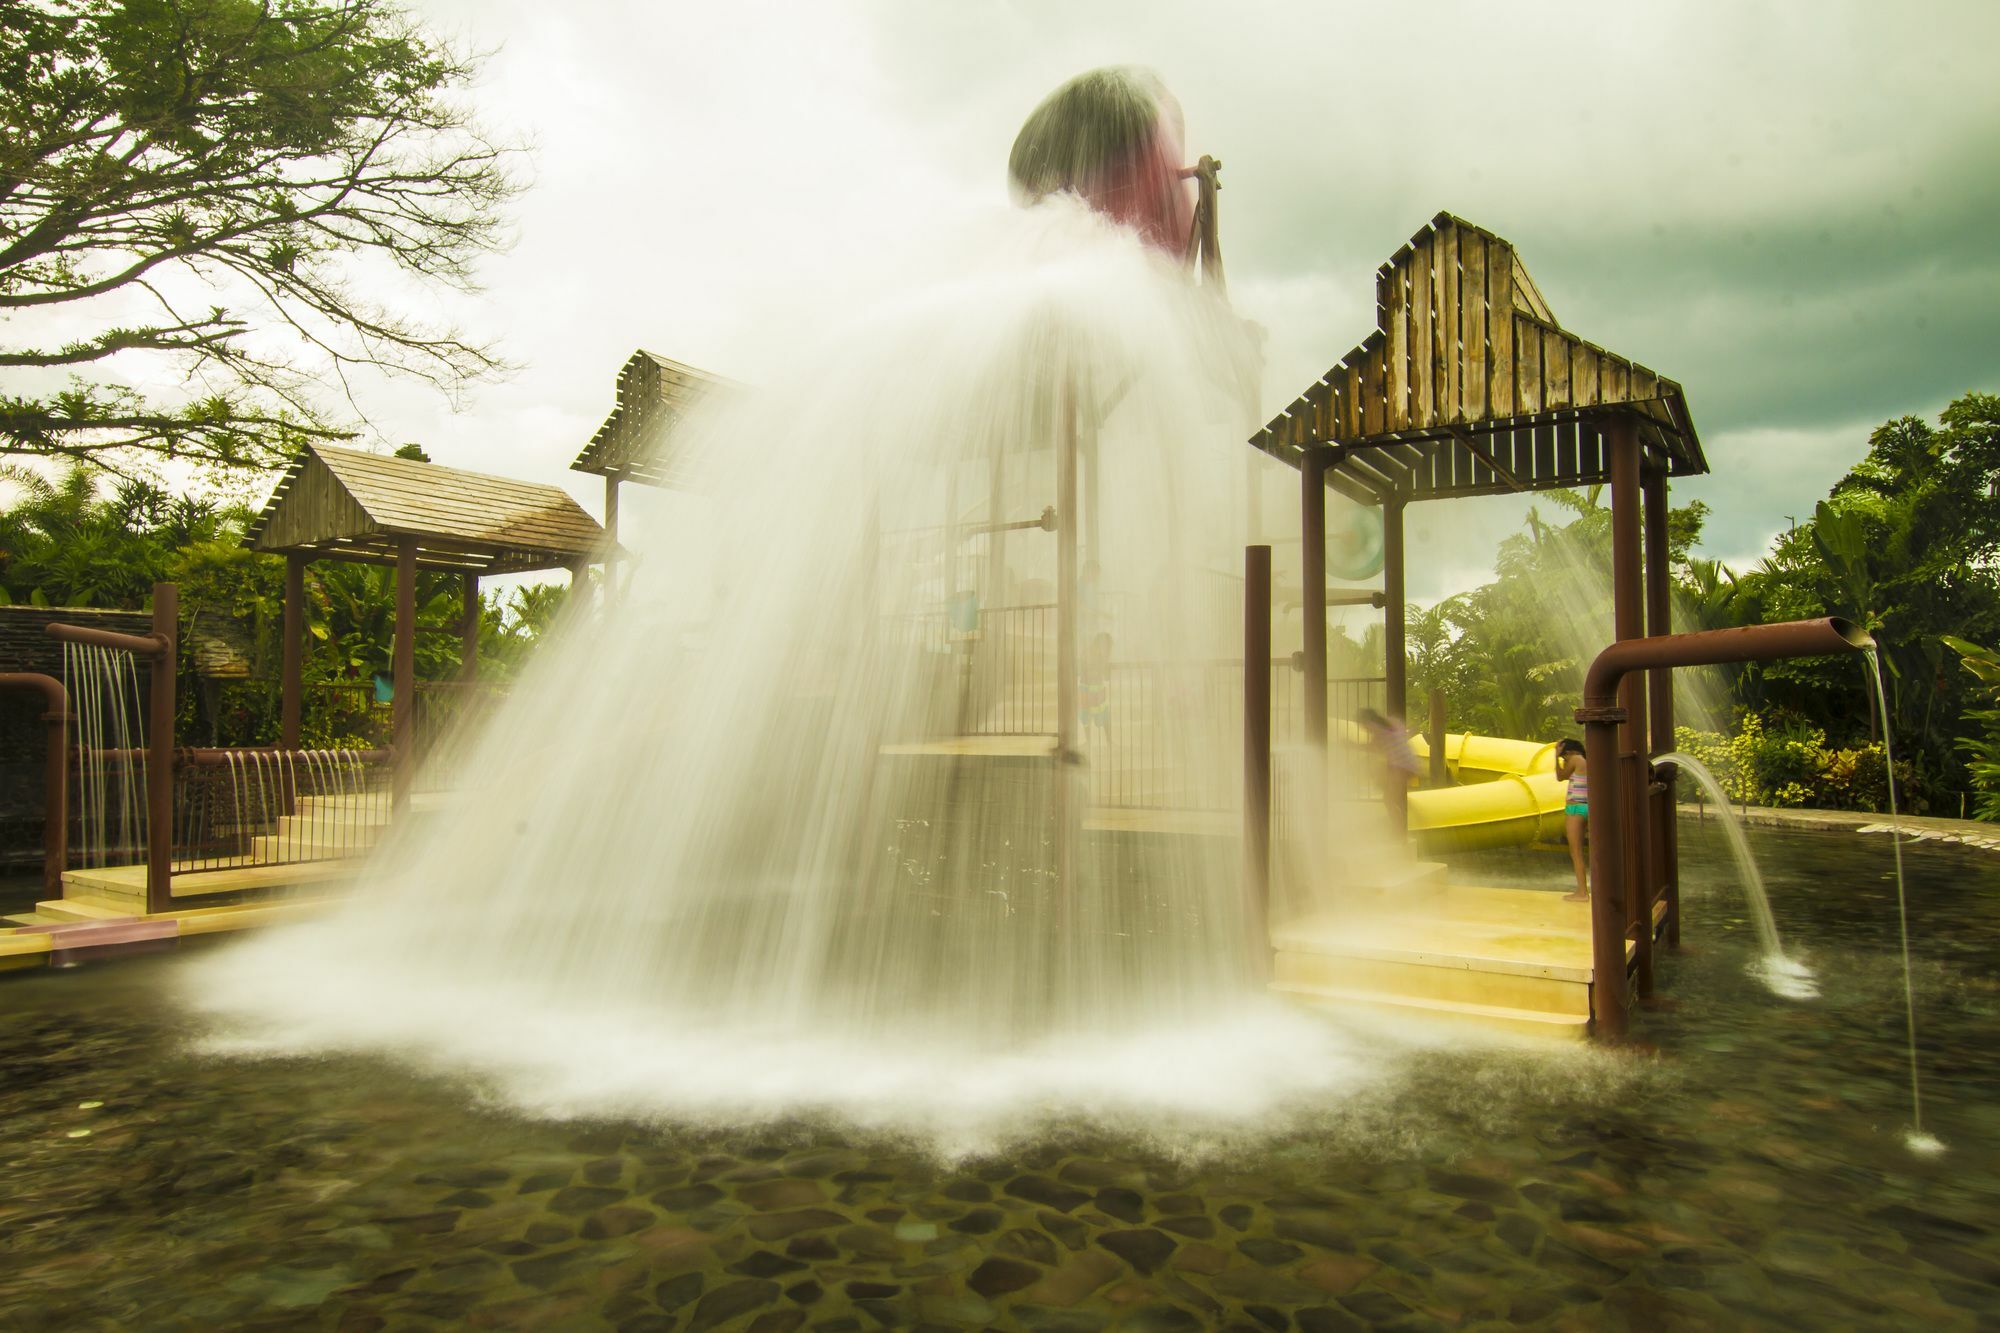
<point x="1797" y="768"/>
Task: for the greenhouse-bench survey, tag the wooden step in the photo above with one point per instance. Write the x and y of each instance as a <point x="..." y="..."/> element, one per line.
<point x="269" y="847"/>
<point x="1488" y="1017"/>
<point x="72" y="907"/>
<point x="1498" y="983"/>
<point x="360" y="821"/>
<point x="371" y="809"/>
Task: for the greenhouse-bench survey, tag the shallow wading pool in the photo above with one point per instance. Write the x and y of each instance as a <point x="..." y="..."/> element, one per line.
<point x="1743" y="1169"/>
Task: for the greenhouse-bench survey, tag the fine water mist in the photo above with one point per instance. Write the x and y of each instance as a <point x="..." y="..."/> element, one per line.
<point x="1917" y="1140"/>
<point x="820" y="838"/>
<point x="1783" y="974"/>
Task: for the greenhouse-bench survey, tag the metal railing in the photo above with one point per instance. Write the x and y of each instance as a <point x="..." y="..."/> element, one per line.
<point x="264" y="806"/>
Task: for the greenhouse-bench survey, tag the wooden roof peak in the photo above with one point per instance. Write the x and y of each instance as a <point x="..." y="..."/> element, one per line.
<point x="654" y="395"/>
<point x="349" y="504"/>
<point x="1468" y="385"/>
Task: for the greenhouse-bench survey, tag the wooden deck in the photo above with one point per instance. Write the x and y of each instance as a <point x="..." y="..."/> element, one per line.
<point x="85" y="932"/>
<point x="1514" y="960"/>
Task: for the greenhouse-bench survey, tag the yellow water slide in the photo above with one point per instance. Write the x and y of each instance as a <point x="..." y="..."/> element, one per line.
<point x="1507" y="794"/>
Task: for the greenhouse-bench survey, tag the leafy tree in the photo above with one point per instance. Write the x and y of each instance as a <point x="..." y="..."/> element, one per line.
<point x="1906" y="544"/>
<point x="68" y="542"/>
<point x="212" y="184"/>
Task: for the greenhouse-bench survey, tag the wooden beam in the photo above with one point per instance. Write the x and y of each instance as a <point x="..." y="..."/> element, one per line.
<point x="1485" y="456"/>
<point x="403" y="674"/>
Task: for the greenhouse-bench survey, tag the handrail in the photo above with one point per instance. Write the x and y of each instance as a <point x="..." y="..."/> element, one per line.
<point x="55" y="799"/>
<point x="141" y="645"/>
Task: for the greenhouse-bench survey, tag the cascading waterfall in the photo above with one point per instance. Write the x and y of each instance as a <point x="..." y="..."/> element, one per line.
<point x="808" y="869"/>
<point x="1916" y="1139"/>
<point x="111" y="812"/>
<point x="1785" y="975"/>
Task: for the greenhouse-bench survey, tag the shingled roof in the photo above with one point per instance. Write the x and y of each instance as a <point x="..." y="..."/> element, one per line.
<point x="347" y="504"/>
<point x="1469" y="386"/>
<point x="654" y="396"/>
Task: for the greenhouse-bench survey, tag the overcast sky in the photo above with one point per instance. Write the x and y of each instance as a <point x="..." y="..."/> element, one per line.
<point x="1790" y="208"/>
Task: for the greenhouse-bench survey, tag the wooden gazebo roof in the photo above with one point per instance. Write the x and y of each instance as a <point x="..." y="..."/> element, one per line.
<point x="635" y="443"/>
<point x="344" y="504"/>
<point x="1469" y="386"/>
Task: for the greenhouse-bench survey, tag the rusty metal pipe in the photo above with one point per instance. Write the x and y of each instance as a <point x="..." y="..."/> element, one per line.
<point x="1601" y="716"/>
<point x="55" y="798"/>
<point x="139" y="645"/>
<point x="1713" y="647"/>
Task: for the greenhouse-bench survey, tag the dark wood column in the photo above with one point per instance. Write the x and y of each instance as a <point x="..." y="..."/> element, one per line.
<point x="468" y="631"/>
<point x="611" y="484"/>
<point x="292" y="672"/>
<point x="1312" y="585"/>
<point x="1621" y="446"/>
<point x="1395" y="653"/>
<point x="403" y="671"/>
<point x="1664" y="872"/>
<point x="160" y="750"/>
<point x="1257" y="755"/>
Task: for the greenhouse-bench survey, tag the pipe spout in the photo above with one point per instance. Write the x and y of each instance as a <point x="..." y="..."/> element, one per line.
<point x="141" y="645"/>
<point x="1748" y="643"/>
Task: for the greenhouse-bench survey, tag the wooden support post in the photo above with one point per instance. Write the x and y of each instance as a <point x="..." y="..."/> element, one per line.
<point x="1629" y="622"/>
<point x="468" y="631"/>
<point x="611" y="483"/>
<point x="1434" y="738"/>
<point x="1312" y="585"/>
<point x="55" y="793"/>
<point x="1395" y="658"/>
<point x="55" y="771"/>
<point x="403" y="672"/>
<point x="1665" y="844"/>
<point x="1607" y="851"/>
<point x="160" y="751"/>
<point x="1068" y="818"/>
<point x="291" y="685"/>
<point x="1257" y="754"/>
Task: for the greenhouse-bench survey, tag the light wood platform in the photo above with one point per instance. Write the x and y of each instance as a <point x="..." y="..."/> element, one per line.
<point x="127" y="884"/>
<point x="1517" y="960"/>
<point x="84" y="934"/>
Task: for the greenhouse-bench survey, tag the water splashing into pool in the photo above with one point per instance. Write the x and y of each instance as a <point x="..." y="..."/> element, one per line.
<point x="1916" y="1139"/>
<point x="828" y="841"/>
<point x="111" y="755"/>
<point x="1783" y="974"/>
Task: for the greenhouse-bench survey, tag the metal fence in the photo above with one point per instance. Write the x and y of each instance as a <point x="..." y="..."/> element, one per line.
<point x="264" y="806"/>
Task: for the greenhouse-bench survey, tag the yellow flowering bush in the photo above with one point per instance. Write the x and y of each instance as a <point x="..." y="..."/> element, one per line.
<point x="1796" y="768"/>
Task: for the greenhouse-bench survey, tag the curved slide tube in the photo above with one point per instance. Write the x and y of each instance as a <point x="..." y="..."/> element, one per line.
<point x="1508" y="794"/>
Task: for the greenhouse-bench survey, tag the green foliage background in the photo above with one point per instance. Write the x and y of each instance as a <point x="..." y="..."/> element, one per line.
<point x="67" y="542"/>
<point x="1905" y="544"/>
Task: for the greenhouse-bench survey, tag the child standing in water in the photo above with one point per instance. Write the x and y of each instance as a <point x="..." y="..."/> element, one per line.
<point x="1571" y="764"/>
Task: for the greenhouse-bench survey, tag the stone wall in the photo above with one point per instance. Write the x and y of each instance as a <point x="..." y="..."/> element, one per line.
<point x="26" y="646"/>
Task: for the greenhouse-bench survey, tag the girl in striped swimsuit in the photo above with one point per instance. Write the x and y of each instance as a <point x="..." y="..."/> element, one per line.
<point x="1576" y="811"/>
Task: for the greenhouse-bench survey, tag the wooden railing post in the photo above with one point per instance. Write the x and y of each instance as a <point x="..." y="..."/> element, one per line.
<point x="1257" y="753"/>
<point x="1664" y="878"/>
<point x="160" y="751"/>
<point x="1434" y="738"/>
<point x="1622" y="451"/>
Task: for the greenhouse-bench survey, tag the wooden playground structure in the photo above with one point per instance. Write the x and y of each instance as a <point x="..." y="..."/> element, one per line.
<point x="1467" y="386"/>
<point x="225" y="825"/>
